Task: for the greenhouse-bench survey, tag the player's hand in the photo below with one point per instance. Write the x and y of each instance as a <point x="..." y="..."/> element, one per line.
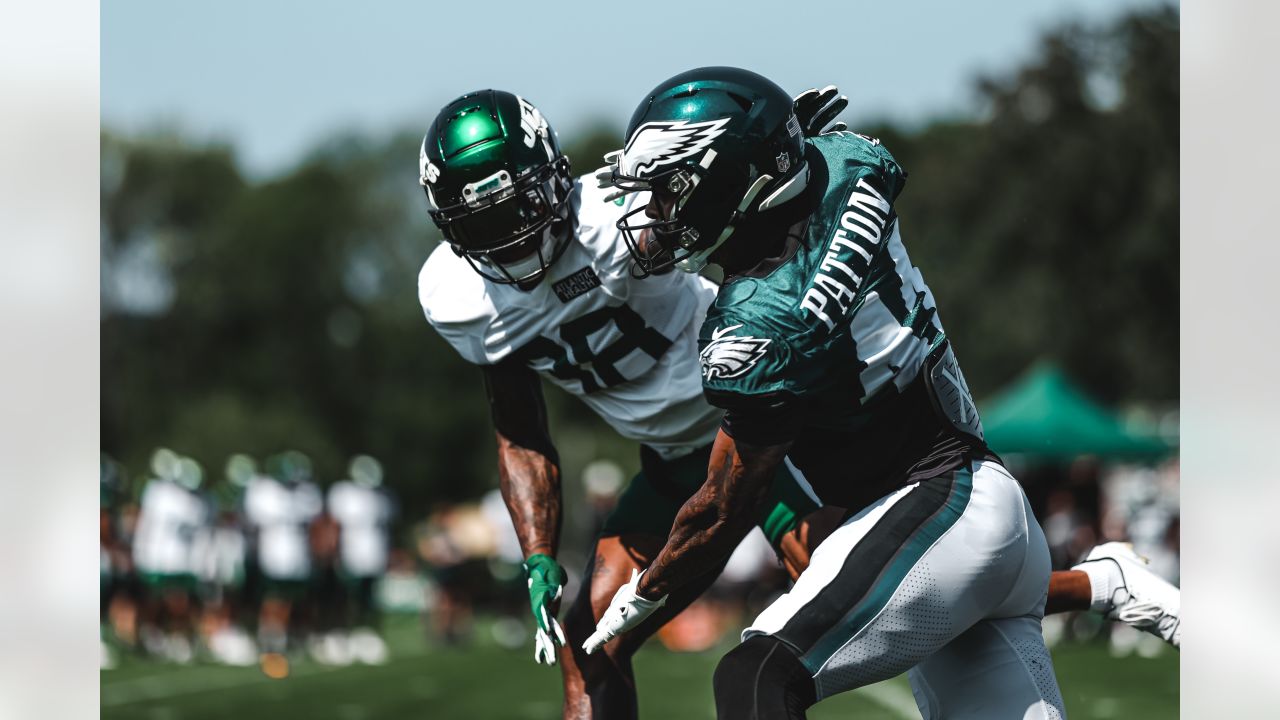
<point x="604" y="178"/>
<point x="546" y="583"/>
<point x="626" y="611"/>
<point x="815" y="108"/>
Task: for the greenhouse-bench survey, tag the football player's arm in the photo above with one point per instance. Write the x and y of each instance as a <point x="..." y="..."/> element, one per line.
<point x="528" y="466"/>
<point x="710" y="525"/>
<point x="529" y="478"/>
<point x="717" y="517"/>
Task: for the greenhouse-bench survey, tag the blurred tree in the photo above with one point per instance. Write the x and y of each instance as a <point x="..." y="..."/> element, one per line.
<point x="586" y="151"/>
<point x="1051" y="228"/>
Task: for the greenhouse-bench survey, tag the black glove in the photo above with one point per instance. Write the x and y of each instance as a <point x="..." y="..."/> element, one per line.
<point x="815" y="108"/>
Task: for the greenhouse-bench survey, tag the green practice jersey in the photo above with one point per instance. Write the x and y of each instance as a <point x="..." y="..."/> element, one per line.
<point x="838" y="330"/>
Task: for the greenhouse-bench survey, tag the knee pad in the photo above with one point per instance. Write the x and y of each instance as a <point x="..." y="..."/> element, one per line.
<point x="762" y="679"/>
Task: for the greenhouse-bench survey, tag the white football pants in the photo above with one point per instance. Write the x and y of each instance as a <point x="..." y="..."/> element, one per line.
<point x="945" y="579"/>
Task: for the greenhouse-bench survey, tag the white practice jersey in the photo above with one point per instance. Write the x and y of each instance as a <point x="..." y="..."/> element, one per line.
<point x="363" y="514"/>
<point x="628" y="347"/>
<point x="170" y="517"/>
<point x="218" y="554"/>
<point x="281" y="515"/>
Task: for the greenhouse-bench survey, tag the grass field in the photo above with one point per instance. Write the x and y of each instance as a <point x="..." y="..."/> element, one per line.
<point x="486" y="681"/>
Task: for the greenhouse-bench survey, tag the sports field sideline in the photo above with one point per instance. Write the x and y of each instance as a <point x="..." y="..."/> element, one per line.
<point x="487" y="681"/>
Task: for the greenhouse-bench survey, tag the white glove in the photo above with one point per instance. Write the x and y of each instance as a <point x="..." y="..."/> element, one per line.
<point x="626" y="611"/>
<point x="544" y="646"/>
<point x="604" y="178"/>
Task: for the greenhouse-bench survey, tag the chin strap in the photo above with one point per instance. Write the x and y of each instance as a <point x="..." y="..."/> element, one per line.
<point x="698" y="260"/>
<point x="787" y="190"/>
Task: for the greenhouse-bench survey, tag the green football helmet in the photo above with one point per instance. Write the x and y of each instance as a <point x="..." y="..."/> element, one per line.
<point x="716" y="146"/>
<point x="498" y="186"/>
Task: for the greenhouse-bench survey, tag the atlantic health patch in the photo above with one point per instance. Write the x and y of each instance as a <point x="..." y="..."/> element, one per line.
<point x="730" y="356"/>
<point x="576" y="284"/>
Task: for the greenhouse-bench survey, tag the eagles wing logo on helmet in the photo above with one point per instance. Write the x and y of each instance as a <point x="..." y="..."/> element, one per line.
<point x="728" y="356"/>
<point x="662" y="143"/>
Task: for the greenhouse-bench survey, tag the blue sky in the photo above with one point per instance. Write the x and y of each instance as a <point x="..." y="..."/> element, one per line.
<point x="277" y="77"/>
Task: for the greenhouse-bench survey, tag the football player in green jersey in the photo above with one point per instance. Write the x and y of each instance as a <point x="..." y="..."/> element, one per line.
<point x="826" y="350"/>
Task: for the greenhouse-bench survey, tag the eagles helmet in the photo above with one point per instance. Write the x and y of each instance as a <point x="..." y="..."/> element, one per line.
<point x="498" y="186"/>
<point x="715" y="146"/>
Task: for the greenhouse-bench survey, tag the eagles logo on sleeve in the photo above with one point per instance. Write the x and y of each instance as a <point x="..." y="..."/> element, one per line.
<point x="729" y="356"/>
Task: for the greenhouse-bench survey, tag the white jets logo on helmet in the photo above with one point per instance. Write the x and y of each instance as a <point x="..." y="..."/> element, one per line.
<point x="728" y="356"/>
<point x="662" y="143"/>
<point x="534" y="126"/>
<point x="427" y="171"/>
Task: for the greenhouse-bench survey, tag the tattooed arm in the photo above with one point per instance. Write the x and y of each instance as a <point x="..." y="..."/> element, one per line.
<point x="717" y="517"/>
<point x="528" y="466"/>
<point x="529" y="477"/>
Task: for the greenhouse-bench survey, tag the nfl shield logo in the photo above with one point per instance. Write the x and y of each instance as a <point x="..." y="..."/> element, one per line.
<point x="784" y="162"/>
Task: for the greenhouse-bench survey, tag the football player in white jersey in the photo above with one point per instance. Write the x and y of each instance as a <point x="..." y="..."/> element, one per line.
<point x="279" y="510"/>
<point x="171" y="516"/>
<point x="533" y="279"/>
<point x="220" y="554"/>
<point x="364" y="513"/>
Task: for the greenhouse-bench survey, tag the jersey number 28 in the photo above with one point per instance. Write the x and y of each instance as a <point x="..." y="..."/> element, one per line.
<point x="572" y="358"/>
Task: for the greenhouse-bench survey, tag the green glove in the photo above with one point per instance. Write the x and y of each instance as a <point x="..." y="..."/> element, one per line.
<point x="546" y="583"/>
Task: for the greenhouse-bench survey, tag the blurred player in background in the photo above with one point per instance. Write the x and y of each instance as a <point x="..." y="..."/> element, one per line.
<point x="220" y="551"/>
<point x="171" y="515"/>
<point x="279" y="505"/>
<point x="454" y="542"/>
<point x="113" y="553"/>
<point x="364" y="513"/>
<point x="322" y="613"/>
<point x="118" y="525"/>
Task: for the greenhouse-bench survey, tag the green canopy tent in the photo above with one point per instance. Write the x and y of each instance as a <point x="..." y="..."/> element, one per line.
<point x="1044" y="416"/>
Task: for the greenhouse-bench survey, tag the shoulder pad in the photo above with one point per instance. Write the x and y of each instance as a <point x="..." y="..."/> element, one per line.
<point x="455" y="302"/>
<point x="869" y="153"/>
